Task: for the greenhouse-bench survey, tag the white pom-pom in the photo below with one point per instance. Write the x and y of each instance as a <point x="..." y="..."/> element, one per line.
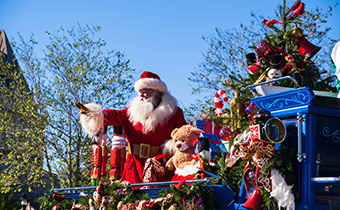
<point x="281" y="191"/>
<point x="93" y="121"/>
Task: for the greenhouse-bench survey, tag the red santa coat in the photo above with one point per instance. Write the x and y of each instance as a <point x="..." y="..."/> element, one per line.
<point x="133" y="170"/>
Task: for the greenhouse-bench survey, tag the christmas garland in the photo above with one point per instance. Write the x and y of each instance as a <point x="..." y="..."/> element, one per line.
<point x="123" y="196"/>
<point x="198" y="194"/>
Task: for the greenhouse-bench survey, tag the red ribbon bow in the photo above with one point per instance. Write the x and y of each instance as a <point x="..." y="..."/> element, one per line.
<point x="297" y="9"/>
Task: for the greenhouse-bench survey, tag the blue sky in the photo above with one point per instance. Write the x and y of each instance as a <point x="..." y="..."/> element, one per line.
<point x="161" y="36"/>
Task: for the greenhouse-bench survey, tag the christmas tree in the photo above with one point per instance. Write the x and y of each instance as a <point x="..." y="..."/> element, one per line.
<point x="286" y="51"/>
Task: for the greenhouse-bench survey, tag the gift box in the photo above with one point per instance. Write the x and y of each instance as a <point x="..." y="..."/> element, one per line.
<point x="208" y="126"/>
<point x="204" y="125"/>
<point x="216" y="144"/>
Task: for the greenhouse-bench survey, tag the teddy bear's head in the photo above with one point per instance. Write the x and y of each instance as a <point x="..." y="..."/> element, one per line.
<point x="185" y="137"/>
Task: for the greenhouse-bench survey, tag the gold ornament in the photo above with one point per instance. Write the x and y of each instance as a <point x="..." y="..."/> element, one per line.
<point x="297" y="32"/>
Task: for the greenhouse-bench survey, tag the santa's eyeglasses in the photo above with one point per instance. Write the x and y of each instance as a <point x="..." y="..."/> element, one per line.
<point x="147" y="93"/>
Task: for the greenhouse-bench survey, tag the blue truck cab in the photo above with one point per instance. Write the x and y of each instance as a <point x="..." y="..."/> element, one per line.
<point x="313" y="128"/>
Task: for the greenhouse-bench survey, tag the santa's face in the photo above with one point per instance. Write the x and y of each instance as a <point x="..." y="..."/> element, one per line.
<point x="151" y="96"/>
<point x="147" y="93"/>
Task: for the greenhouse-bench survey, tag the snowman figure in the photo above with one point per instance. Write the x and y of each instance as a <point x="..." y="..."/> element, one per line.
<point x="275" y="68"/>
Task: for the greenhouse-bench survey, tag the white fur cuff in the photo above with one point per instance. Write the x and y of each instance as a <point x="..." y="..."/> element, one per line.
<point x="93" y="121"/>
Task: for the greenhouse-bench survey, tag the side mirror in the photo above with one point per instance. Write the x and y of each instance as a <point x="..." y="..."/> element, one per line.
<point x="275" y="130"/>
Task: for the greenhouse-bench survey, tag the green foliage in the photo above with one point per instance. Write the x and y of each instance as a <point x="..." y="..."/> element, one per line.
<point x="75" y="67"/>
<point x="46" y="202"/>
<point x="313" y="74"/>
<point x="122" y="194"/>
<point x="187" y="192"/>
<point x="225" y="67"/>
<point x="21" y="129"/>
<point x="117" y="189"/>
<point x="283" y="161"/>
<point x="268" y="202"/>
<point x="7" y="203"/>
<point x="229" y="176"/>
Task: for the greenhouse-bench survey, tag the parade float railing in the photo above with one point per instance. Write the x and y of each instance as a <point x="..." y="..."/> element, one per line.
<point x="264" y="89"/>
<point x="74" y="192"/>
<point x="223" y="195"/>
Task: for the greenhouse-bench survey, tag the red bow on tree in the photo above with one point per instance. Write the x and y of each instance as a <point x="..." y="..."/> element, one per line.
<point x="270" y="23"/>
<point x="297" y="9"/>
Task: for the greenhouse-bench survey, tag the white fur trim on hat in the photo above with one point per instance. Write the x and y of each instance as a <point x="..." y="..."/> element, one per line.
<point x="150" y="83"/>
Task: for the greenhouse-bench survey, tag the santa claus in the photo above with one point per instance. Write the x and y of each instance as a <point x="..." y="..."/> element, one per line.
<point x="147" y="122"/>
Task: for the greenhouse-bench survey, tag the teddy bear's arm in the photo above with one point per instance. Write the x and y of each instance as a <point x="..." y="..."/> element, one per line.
<point x="170" y="164"/>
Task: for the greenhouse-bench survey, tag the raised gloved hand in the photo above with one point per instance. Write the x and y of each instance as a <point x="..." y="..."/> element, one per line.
<point x="81" y="107"/>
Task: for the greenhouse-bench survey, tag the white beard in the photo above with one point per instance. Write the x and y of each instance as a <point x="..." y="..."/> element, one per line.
<point x="144" y="107"/>
<point x="143" y="111"/>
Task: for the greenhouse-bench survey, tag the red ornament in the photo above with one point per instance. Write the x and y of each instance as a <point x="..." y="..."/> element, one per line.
<point x="59" y="198"/>
<point x="226" y="133"/>
<point x="251" y="110"/>
<point x="245" y="103"/>
<point x="263" y="49"/>
<point x="297" y="11"/>
<point x="251" y="178"/>
<point x="270" y="23"/>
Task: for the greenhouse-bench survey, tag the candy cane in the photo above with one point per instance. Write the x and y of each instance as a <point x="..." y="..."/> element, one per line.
<point x="218" y="102"/>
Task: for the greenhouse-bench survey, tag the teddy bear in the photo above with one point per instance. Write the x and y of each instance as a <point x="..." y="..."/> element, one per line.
<point x="184" y="140"/>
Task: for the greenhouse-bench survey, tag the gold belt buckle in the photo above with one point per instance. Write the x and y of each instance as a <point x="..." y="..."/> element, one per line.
<point x="141" y="153"/>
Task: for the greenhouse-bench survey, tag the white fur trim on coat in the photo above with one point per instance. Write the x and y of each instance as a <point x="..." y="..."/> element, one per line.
<point x="93" y="121"/>
<point x="281" y="191"/>
<point x="188" y="169"/>
<point x="150" y="83"/>
<point x="157" y="117"/>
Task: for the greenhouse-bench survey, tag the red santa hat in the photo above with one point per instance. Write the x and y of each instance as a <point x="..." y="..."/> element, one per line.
<point x="149" y="80"/>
